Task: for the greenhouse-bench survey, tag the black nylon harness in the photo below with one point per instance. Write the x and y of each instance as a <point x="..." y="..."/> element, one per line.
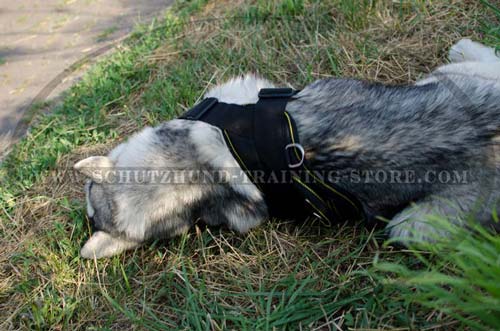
<point x="263" y="138"/>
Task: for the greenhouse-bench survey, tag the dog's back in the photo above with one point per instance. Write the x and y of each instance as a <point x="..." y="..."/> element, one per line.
<point x="451" y="124"/>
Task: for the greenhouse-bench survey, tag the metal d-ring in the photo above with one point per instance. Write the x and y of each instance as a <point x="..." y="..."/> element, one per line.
<point x="302" y="155"/>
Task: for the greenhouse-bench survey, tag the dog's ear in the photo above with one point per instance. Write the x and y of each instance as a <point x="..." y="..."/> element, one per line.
<point x="101" y="244"/>
<point x="94" y="167"/>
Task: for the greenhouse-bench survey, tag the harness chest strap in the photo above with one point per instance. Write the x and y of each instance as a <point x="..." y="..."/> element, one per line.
<point x="263" y="138"/>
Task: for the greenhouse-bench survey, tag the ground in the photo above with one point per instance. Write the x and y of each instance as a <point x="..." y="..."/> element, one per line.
<point x="280" y="275"/>
<point x="41" y="41"/>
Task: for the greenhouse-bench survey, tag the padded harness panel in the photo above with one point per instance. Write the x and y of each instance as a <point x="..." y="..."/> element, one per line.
<point x="263" y="138"/>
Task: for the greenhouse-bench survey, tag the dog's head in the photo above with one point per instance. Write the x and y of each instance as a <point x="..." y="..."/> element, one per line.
<point x="156" y="185"/>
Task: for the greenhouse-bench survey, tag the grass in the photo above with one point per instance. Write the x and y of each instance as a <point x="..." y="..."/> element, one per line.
<point x="458" y="277"/>
<point x="104" y="35"/>
<point x="281" y="275"/>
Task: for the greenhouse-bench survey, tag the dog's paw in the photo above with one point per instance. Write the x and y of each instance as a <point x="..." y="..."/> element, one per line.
<point x="411" y="232"/>
<point x="414" y="226"/>
<point x="467" y="50"/>
<point x="102" y="244"/>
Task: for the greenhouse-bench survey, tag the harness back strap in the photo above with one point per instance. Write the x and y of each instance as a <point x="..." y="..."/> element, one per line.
<point x="264" y="140"/>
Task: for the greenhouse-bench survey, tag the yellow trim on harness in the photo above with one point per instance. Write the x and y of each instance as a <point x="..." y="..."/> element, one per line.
<point x="310" y="172"/>
<point x="318" y="211"/>
<point x="295" y="178"/>
<point x="240" y="159"/>
<point x="291" y="134"/>
<point x="234" y="150"/>
<point x="315" y="194"/>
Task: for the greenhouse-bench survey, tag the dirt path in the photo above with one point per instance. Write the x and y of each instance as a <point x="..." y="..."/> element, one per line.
<point x="39" y="39"/>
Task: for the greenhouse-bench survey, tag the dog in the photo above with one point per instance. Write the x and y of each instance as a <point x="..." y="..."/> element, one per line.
<point x="447" y="123"/>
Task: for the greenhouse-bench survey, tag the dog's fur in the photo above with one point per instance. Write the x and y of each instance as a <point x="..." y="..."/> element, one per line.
<point x="447" y="121"/>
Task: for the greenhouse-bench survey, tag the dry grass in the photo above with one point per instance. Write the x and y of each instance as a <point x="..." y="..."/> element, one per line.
<point x="281" y="275"/>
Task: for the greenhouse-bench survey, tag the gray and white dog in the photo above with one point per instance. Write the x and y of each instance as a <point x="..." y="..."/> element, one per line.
<point x="449" y="121"/>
